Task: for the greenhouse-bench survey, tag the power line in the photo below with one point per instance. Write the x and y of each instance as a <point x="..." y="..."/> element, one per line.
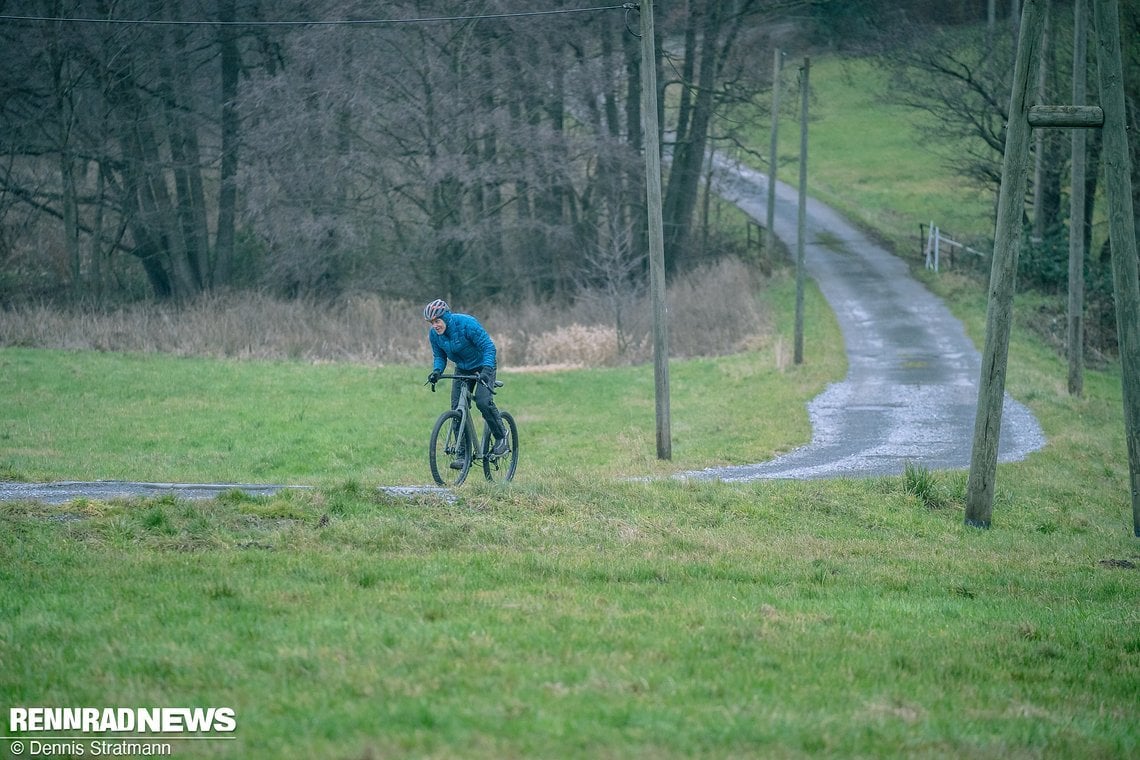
<point x="333" y="22"/>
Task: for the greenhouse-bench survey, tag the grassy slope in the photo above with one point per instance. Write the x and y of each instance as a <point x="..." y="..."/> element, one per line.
<point x="571" y="614"/>
<point x="869" y="160"/>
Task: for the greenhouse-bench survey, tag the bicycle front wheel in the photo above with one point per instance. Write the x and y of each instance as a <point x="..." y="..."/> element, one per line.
<point x="449" y="452"/>
<point x="502" y="467"/>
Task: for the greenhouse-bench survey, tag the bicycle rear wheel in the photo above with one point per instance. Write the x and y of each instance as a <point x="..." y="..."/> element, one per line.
<point x="449" y="445"/>
<point x="502" y="468"/>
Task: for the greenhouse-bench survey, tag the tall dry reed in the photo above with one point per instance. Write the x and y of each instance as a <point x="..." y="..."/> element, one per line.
<point x="711" y="311"/>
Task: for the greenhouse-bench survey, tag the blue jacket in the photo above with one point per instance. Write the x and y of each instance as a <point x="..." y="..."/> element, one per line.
<point x="464" y="342"/>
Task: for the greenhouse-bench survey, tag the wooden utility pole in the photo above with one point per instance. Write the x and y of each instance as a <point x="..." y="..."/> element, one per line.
<point x="1039" y="156"/>
<point x="1122" y="231"/>
<point x="1007" y="246"/>
<point x="1077" y="212"/>
<point x="801" y="216"/>
<point x="650" y="126"/>
<point x="773" y="146"/>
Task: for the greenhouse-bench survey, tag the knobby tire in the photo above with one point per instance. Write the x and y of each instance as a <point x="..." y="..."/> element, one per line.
<point x="502" y="468"/>
<point x="445" y="440"/>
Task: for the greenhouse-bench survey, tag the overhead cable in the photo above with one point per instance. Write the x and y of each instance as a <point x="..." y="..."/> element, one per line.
<point x="309" y="22"/>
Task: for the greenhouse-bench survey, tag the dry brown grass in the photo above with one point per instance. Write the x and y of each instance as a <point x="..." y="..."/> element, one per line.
<point x="712" y="311"/>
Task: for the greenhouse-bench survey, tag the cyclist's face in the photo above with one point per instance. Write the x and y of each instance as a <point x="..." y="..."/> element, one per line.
<point x="438" y="325"/>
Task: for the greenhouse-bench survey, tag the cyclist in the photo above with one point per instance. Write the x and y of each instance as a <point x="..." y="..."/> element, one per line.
<point x="460" y="338"/>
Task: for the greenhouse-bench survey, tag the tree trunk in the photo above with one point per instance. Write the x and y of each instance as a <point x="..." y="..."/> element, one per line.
<point x="71" y="219"/>
<point x="222" y="269"/>
<point x="68" y="200"/>
<point x="636" y="176"/>
<point x="692" y="139"/>
<point x="154" y="223"/>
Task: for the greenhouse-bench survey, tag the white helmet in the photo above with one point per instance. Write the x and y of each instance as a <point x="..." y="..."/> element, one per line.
<point x="435" y="309"/>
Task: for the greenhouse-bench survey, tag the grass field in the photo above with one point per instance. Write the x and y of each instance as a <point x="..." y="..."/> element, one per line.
<point x="585" y="610"/>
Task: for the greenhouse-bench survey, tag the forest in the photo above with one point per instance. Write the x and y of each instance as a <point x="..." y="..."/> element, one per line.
<point x="480" y="150"/>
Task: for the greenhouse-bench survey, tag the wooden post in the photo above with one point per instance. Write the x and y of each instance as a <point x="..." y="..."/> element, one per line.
<point x="1066" y="117"/>
<point x="1122" y="231"/>
<point x="1077" y="212"/>
<point x="650" y="126"/>
<point x="1039" y="137"/>
<point x="773" y="146"/>
<point x="1007" y="246"/>
<point x="801" y="215"/>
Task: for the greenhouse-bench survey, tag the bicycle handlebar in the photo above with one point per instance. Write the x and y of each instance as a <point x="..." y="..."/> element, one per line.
<point x="477" y="378"/>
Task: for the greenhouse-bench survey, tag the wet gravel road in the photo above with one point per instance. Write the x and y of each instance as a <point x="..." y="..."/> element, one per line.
<point x="909" y="394"/>
<point x="911" y="387"/>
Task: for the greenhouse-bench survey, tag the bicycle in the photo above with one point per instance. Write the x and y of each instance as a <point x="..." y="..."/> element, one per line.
<point x="453" y="441"/>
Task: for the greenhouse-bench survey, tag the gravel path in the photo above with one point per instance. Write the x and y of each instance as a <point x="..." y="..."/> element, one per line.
<point x="911" y="387"/>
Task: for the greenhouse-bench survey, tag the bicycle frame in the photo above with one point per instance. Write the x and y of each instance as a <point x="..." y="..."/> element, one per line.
<point x="467" y="421"/>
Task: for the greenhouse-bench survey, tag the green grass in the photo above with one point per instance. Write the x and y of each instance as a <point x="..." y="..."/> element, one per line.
<point x="92" y="416"/>
<point x="868" y="159"/>
<point x="586" y="618"/>
<point x="576" y="612"/>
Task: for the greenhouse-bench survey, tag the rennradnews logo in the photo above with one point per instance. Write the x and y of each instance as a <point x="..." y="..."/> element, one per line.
<point x="141" y="720"/>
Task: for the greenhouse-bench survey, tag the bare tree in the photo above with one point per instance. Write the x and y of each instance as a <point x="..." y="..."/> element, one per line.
<point x="717" y="72"/>
<point x="613" y="273"/>
<point x="135" y="106"/>
<point x="480" y="156"/>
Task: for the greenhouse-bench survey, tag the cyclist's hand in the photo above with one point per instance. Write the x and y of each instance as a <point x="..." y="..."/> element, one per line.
<point x="433" y="378"/>
<point x="487" y="376"/>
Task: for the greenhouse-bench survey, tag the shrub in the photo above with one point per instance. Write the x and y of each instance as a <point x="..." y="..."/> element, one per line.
<point x="581" y="345"/>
